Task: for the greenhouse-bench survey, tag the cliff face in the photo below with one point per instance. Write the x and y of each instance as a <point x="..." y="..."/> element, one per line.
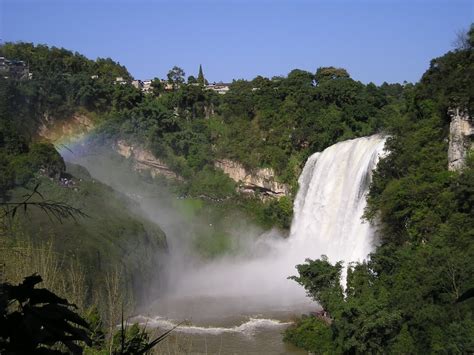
<point x="461" y="132"/>
<point x="55" y="130"/>
<point x="260" y="180"/>
<point x="144" y="160"/>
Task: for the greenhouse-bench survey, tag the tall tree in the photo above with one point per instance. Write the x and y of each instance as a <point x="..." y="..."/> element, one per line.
<point x="201" y="80"/>
<point x="157" y="87"/>
<point x="176" y="76"/>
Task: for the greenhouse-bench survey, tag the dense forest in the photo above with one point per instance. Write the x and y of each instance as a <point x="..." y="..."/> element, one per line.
<point x="402" y="300"/>
<point x="275" y="122"/>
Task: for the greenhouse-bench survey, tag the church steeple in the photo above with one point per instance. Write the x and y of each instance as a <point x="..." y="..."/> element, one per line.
<point x="200" y="78"/>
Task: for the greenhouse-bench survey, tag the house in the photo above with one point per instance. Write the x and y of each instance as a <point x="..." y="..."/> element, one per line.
<point x="138" y="84"/>
<point x="167" y="85"/>
<point x="3" y="64"/>
<point x="147" y="87"/>
<point x="120" y="80"/>
<point x="220" y="88"/>
<point x="14" y="69"/>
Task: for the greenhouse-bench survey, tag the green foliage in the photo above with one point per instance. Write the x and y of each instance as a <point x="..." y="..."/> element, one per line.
<point x="21" y="165"/>
<point x="275" y="212"/>
<point x="211" y="183"/>
<point x="34" y="320"/>
<point x="213" y="244"/>
<point x="405" y="298"/>
<point x="449" y="80"/>
<point x="404" y="343"/>
<point x="312" y="334"/>
<point x="269" y="213"/>
<point x="274" y="122"/>
<point x="113" y="235"/>
<point x="330" y="73"/>
<point x="265" y="122"/>
<point x="401" y="300"/>
<point x="130" y="340"/>
<point x="157" y="87"/>
<point x="322" y="282"/>
<point x="192" y="80"/>
<point x="200" y="79"/>
<point x="96" y="327"/>
<point x="62" y="82"/>
<point x="176" y="77"/>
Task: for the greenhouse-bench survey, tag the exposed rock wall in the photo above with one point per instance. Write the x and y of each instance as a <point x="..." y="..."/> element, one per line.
<point x="461" y="132"/>
<point x="56" y="130"/>
<point x="250" y="182"/>
<point x="259" y="182"/>
<point x="144" y="160"/>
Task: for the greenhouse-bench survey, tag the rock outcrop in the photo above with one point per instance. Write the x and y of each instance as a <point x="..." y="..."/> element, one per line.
<point x="56" y="130"/>
<point x="144" y="160"/>
<point x="260" y="181"/>
<point x="461" y="132"/>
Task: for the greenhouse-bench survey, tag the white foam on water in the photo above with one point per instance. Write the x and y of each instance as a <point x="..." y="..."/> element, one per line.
<point x="247" y="328"/>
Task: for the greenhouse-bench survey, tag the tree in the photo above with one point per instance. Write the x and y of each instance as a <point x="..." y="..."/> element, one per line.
<point x="157" y="87"/>
<point x="321" y="281"/>
<point x="464" y="39"/>
<point x="176" y="77"/>
<point x="32" y="320"/>
<point x="330" y="73"/>
<point x="201" y="80"/>
<point x="192" y="80"/>
<point x="126" y="97"/>
<point x="300" y="78"/>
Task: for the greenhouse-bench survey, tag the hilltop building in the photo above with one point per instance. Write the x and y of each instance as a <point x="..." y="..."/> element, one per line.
<point x="201" y="79"/>
<point x="138" y="84"/>
<point x="147" y="88"/>
<point x="220" y="88"/>
<point x="120" y="80"/>
<point x="14" y="69"/>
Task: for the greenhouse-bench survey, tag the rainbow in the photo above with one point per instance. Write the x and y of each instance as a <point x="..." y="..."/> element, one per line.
<point x="70" y="137"/>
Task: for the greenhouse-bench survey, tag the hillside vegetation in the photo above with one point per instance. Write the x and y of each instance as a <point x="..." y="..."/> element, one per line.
<point x="407" y="298"/>
<point x="105" y="257"/>
<point x="266" y="122"/>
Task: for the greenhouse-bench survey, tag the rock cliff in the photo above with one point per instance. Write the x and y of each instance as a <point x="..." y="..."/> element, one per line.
<point x="461" y="132"/>
<point x="144" y="160"/>
<point x="251" y="182"/>
<point x="56" y="130"/>
<point x="260" y="182"/>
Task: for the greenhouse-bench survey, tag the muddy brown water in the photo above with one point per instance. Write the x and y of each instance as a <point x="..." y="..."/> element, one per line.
<point x="222" y="326"/>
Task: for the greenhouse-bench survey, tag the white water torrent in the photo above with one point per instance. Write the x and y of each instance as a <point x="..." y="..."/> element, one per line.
<point x="331" y="201"/>
<point x="327" y="221"/>
<point x="248" y="294"/>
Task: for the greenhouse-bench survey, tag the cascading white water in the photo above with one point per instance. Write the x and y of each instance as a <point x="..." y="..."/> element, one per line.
<point x="236" y="294"/>
<point x="331" y="201"/>
<point x="327" y="221"/>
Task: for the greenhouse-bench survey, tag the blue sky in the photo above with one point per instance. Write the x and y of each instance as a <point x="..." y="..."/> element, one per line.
<point x="375" y="40"/>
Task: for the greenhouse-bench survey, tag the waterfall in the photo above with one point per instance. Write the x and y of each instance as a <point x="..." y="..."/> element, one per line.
<point x="331" y="200"/>
<point x="327" y="221"/>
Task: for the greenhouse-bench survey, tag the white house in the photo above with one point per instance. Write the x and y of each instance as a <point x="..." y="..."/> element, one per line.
<point x="220" y="88"/>
<point x="138" y="84"/>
